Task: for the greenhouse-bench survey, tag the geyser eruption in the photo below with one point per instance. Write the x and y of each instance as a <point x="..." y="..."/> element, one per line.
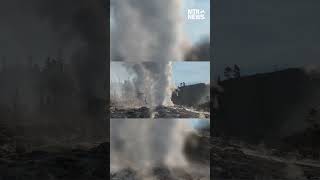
<point x="142" y="144"/>
<point x="145" y="84"/>
<point x="153" y="81"/>
<point x="145" y="31"/>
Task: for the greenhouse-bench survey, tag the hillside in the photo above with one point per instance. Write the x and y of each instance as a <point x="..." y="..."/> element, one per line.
<point x="266" y="107"/>
<point x="193" y="95"/>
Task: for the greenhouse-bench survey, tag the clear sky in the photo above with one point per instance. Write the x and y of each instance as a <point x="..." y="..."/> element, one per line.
<point x="196" y="29"/>
<point x="200" y="123"/>
<point x="183" y="71"/>
<point x="191" y="72"/>
<point x="196" y="123"/>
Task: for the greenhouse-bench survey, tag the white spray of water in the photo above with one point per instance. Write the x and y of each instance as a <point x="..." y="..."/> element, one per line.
<point x="154" y="82"/>
<point x="147" y="31"/>
<point x="144" y="87"/>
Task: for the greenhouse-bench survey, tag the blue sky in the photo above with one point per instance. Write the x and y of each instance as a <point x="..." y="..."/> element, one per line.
<point x="191" y="72"/>
<point x="197" y="123"/>
<point x="196" y="29"/>
<point x="200" y="123"/>
<point x="183" y="71"/>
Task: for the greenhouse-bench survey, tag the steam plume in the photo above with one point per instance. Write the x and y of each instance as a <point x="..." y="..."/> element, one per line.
<point x="144" y="31"/>
<point x="141" y="143"/>
<point x="154" y="82"/>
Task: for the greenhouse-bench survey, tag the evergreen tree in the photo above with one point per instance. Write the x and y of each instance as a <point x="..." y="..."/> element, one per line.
<point x="236" y="71"/>
<point x="227" y="72"/>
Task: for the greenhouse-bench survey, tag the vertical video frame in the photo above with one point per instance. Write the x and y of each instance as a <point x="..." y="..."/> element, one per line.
<point x="160" y="89"/>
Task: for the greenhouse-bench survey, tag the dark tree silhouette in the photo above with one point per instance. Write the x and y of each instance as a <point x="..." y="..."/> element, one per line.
<point x="236" y="71"/>
<point x="227" y="72"/>
<point x="312" y="117"/>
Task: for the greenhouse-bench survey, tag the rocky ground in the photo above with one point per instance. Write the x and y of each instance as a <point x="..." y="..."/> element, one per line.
<point x="72" y="164"/>
<point x="237" y="162"/>
<point x="194" y="172"/>
<point x="91" y="162"/>
<point x="159" y="173"/>
<point x="229" y="161"/>
<point x="158" y="112"/>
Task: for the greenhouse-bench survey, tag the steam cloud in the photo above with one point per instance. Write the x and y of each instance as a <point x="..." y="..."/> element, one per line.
<point x="199" y="52"/>
<point x="141" y="143"/>
<point x="154" y="82"/>
<point x="144" y="31"/>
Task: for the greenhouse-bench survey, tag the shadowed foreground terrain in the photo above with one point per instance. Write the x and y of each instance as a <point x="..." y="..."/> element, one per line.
<point x="267" y="127"/>
<point x="238" y="161"/>
<point x="267" y="106"/>
<point x="62" y="164"/>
